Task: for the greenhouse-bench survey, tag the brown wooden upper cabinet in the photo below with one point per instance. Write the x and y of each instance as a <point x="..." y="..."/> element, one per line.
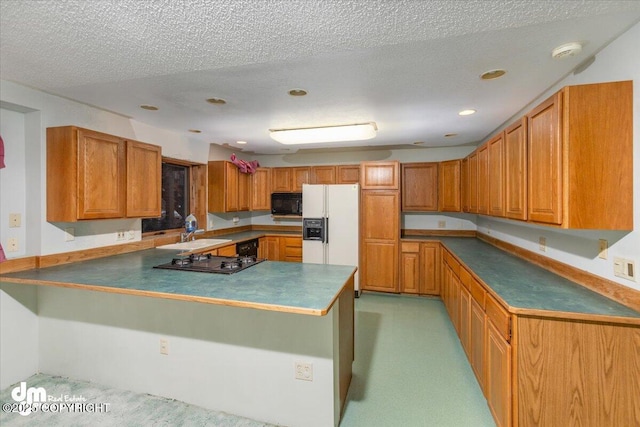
<point x="483" y="179"/>
<point x="580" y="158"/>
<point x="472" y="180"/>
<point x="419" y="186"/>
<point x="323" y="175"/>
<point x="229" y="190"/>
<point x="380" y="175"/>
<point x="464" y="184"/>
<point x="495" y="148"/>
<point x="261" y="190"/>
<point x="515" y="160"/>
<point x="348" y="174"/>
<point x="284" y="179"/>
<point x="92" y="175"/>
<point x="449" y="199"/>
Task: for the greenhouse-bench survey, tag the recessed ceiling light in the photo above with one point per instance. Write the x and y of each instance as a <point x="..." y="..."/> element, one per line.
<point x="241" y="142"/>
<point x="492" y="74"/>
<point x="568" y="49"/>
<point x="297" y="92"/>
<point x="195" y="130"/>
<point x="149" y="107"/>
<point x="466" y="112"/>
<point x="449" y="135"/>
<point x="217" y="101"/>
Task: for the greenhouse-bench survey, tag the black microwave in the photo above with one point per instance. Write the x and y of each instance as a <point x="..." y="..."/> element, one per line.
<point x="286" y="204"/>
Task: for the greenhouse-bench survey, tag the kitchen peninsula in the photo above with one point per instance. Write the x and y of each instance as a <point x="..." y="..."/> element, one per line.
<point x="233" y="342"/>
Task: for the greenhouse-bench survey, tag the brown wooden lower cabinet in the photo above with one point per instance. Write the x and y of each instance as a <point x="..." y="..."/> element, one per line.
<point x="420" y="268"/>
<point x="544" y="371"/>
<point x="271" y="248"/>
<point x="291" y="249"/>
<point x="280" y="248"/>
<point x="381" y="272"/>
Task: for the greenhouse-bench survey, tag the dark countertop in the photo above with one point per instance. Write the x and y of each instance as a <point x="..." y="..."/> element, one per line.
<point x="278" y="286"/>
<point x="524" y="286"/>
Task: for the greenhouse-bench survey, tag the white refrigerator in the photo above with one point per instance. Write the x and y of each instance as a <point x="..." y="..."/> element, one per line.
<point x="335" y="209"/>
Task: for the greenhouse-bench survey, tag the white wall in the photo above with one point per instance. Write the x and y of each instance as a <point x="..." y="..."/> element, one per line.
<point x="231" y="359"/>
<point x="618" y="61"/>
<point x="18" y="333"/>
<point x="27" y="172"/>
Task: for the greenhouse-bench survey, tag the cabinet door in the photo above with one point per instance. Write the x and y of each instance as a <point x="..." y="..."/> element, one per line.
<point x="380" y="175"/>
<point x="348" y="174"/>
<point x="244" y="191"/>
<point x="449" y="186"/>
<point x="477" y="341"/>
<point x="380" y="215"/>
<point x="101" y="176"/>
<point x="272" y="248"/>
<point x="231" y="180"/>
<point x="473" y="182"/>
<point x="483" y="179"/>
<point x="261" y="190"/>
<point x="515" y="158"/>
<point x="464" y="330"/>
<point x="381" y="266"/>
<point x="498" y="376"/>
<point x="144" y="180"/>
<point x="430" y="268"/>
<point x="419" y="186"/>
<point x="291" y="249"/>
<point x="300" y="176"/>
<point x="323" y="175"/>
<point x="464" y="184"/>
<point x="410" y="268"/>
<point x="229" y="250"/>
<point x="545" y="162"/>
<point x="281" y="179"/>
<point x="262" y="248"/>
<point x="495" y="148"/>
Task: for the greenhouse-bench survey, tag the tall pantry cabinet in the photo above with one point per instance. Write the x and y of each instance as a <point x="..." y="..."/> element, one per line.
<point x="380" y="222"/>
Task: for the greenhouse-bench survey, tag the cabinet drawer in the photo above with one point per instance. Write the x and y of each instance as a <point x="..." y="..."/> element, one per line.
<point x="449" y="259"/>
<point x="465" y="278"/>
<point x="410" y="247"/>
<point x="478" y="292"/>
<point x="499" y="317"/>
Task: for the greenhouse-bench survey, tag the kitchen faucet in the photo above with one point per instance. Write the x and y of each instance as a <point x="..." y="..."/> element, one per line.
<point x="190" y="229"/>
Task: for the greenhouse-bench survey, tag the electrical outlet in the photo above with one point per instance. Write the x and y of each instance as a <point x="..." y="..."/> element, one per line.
<point x="624" y="268"/>
<point x="15" y="220"/>
<point x="442" y="224"/>
<point x="603" y="247"/>
<point x="236" y="220"/>
<point x="69" y="234"/>
<point x="120" y="235"/>
<point x="164" y="347"/>
<point x="543" y="243"/>
<point x="12" y="244"/>
<point x="304" y="371"/>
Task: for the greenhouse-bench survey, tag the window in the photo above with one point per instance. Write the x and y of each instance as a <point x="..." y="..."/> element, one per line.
<point x="175" y="199"/>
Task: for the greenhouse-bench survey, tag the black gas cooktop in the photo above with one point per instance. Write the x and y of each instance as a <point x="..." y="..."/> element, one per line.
<point x="207" y="263"/>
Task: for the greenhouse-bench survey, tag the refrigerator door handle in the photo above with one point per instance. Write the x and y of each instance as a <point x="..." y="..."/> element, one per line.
<point x="326" y="230"/>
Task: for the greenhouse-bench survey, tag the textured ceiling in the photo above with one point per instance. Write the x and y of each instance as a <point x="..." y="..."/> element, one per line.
<point x="410" y="66"/>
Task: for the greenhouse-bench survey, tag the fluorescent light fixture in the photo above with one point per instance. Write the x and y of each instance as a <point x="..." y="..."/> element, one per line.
<point x="355" y="132"/>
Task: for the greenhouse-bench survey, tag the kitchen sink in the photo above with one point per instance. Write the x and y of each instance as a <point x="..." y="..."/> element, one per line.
<point x="194" y="244"/>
